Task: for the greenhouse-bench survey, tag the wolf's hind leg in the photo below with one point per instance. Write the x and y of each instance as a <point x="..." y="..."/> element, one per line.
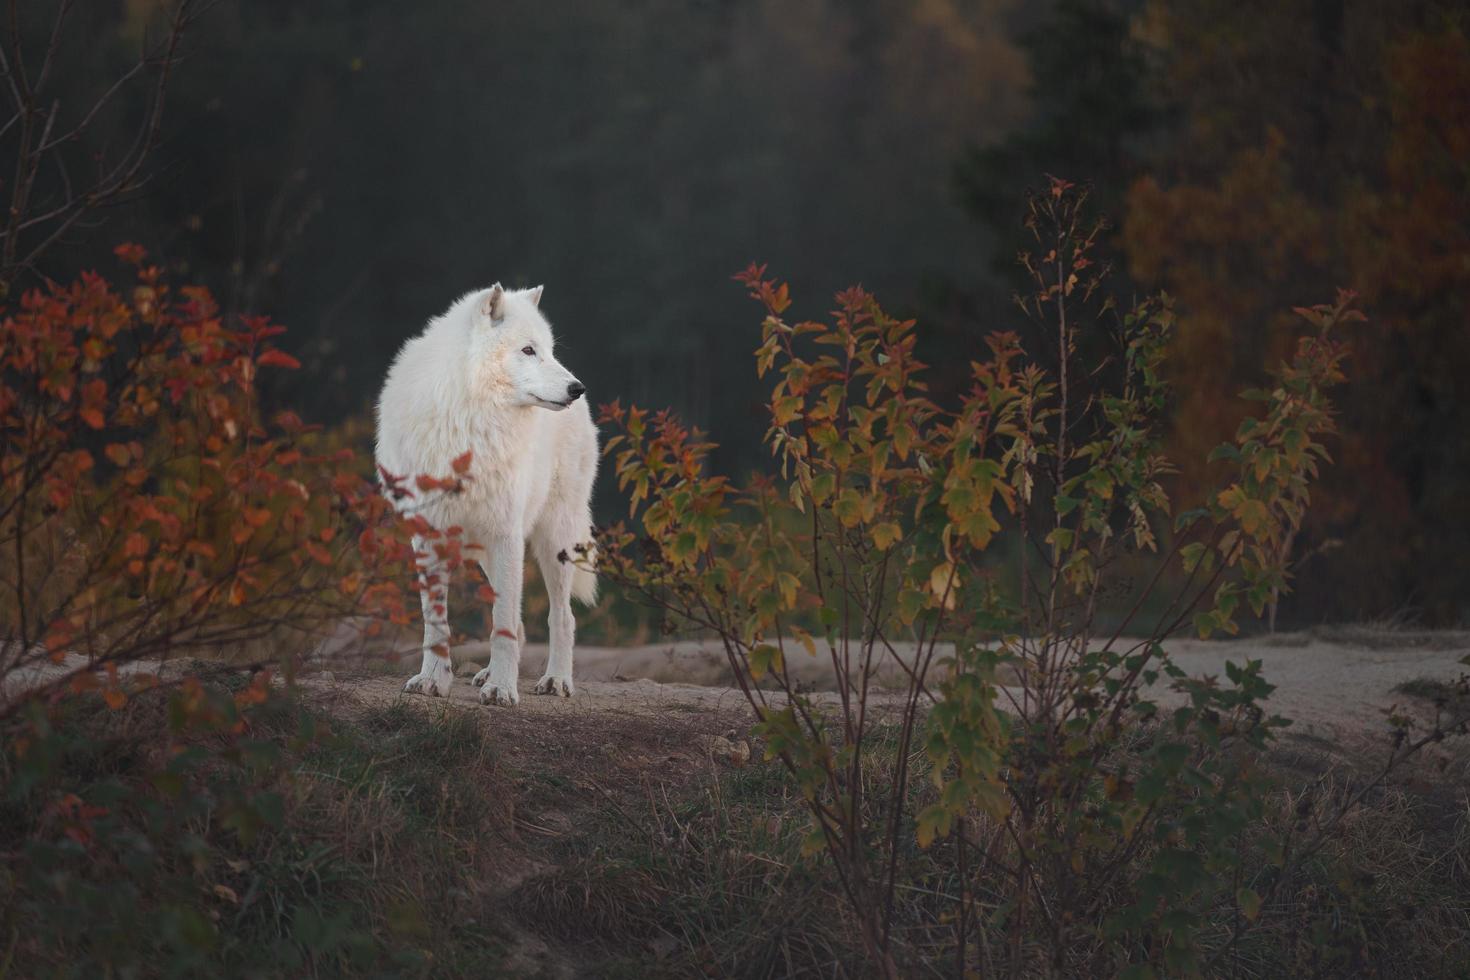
<point x="436" y="672"/>
<point x="555" y="555"/>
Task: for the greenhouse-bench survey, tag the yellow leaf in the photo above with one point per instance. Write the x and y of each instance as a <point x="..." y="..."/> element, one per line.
<point x="885" y="535"/>
<point x="944" y="583"/>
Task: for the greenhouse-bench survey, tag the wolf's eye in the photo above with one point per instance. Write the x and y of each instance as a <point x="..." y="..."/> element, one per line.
<point x="528" y="350"/>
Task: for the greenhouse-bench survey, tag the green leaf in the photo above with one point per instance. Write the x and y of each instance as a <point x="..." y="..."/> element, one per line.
<point x="822" y="486"/>
<point x="684" y="547"/>
<point x="1249" y="902"/>
<point x="1224" y="451"/>
<point x="910" y="603"/>
<point x="764" y="659"/>
<point x="932" y="821"/>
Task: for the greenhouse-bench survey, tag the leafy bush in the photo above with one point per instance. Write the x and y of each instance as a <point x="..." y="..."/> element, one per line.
<point x="148" y="510"/>
<point x="149" y="513"/>
<point x="1097" y="821"/>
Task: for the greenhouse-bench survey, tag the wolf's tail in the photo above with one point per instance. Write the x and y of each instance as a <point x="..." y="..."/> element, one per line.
<point x="584" y="580"/>
<point x="584" y="586"/>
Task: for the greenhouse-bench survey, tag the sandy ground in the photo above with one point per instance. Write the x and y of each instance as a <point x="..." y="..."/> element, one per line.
<point x="1334" y="686"/>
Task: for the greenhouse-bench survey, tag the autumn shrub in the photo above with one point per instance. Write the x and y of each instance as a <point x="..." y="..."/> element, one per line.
<point x="1097" y="807"/>
<point x="153" y="512"/>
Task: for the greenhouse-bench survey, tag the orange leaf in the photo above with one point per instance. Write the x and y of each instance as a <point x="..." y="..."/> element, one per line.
<point x="461" y="464"/>
<point x="278" y="358"/>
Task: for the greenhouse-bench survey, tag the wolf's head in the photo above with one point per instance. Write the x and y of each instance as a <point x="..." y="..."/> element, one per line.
<point x="512" y="351"/>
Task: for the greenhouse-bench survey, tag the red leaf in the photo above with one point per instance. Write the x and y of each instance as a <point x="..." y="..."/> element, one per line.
<point x="461" y="464"/>
<point x="131" y="253"/>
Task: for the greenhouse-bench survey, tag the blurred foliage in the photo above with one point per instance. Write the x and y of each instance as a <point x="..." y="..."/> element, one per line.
<point x="1262" y="156"/>
<point x="1339" y="151"/>
<point x="353" y="167"/>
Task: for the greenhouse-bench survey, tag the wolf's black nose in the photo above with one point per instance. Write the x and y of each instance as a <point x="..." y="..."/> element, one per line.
<point x="576" y="390"/>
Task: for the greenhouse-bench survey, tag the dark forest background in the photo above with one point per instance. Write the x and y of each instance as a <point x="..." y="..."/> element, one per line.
<point x="352" y="167"/>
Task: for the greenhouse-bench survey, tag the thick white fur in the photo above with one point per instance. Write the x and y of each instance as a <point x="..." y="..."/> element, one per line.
<point x="466" y="384"/>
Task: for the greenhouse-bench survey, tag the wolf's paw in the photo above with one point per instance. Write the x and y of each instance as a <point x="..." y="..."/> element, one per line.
<point x="504" y="695"/>
<point x="481" y="676"/>
<point x="435" y="685"/>
<point x="554" y="684"/>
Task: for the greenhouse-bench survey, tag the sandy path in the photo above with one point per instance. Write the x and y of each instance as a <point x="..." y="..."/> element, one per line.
<point x="1330" y="689"/>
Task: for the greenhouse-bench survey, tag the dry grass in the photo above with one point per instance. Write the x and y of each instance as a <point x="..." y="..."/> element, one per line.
<point x="424" y="838"/>
<point x="375" y="859"/>
<point x="1391" y="636"/>
<point x="1387" y="895"/>
<point x="710" y="881"/>
<point x="715" y="883"/>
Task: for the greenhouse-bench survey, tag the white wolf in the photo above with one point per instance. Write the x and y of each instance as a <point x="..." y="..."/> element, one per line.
<point x="483" y="378"/>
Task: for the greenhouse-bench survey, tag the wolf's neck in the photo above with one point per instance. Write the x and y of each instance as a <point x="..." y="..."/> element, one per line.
<point x="497" y="428"/>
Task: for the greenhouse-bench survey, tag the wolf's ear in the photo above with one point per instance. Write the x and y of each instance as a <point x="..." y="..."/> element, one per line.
<point x="534" y="295"/>
<point x="492" y="307"/>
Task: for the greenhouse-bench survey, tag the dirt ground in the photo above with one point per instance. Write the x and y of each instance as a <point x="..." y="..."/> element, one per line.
<point x="1336" y="684"/>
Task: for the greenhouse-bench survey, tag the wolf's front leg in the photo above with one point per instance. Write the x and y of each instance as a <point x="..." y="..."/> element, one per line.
<point x="505" y="568"/>
<point x="436" y="672"/>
